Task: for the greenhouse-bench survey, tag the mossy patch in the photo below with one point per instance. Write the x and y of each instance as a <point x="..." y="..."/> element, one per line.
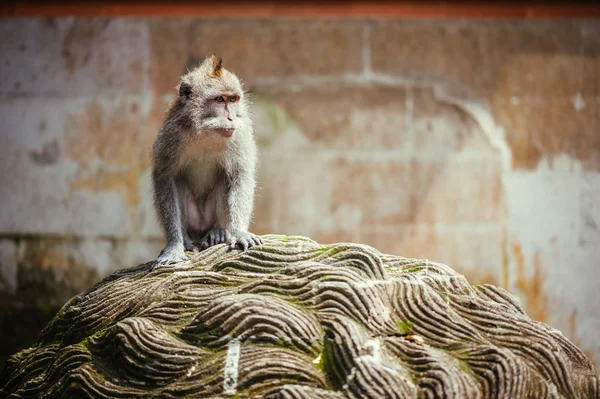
<point x="326" y="356"/>
<point x="405" y="327"/>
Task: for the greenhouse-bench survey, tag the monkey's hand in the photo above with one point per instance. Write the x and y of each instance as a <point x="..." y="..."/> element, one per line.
<point x="243" y="239"/>
<point x="215" y="236"/>
<point x="170" y="255"/>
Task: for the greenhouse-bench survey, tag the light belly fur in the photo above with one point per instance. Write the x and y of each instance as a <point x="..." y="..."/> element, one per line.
<point x="199" y="180"/>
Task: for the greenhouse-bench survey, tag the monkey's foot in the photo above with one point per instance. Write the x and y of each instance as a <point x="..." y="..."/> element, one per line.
<point x="243" y="239"/>
<point x="169" y="256"/>
<point x="189" y="246"/>
<point x="214" y="237"/>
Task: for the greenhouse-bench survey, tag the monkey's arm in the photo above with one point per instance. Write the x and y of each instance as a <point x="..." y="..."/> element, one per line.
<point x="167" y="203"/>
<point x="240" y="202"/>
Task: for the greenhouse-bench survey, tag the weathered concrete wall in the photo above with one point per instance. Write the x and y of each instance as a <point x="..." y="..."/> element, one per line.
<point x="476" y="144"/>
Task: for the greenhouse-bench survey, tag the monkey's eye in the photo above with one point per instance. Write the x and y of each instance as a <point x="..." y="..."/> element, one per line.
<point x="233" y="99"/>
<point x="219" y="99"/>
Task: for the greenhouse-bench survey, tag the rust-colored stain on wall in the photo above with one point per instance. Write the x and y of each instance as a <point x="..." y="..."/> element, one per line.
<point x="532" y="288"/>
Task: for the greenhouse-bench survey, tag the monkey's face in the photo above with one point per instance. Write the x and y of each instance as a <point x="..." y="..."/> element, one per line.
<point x="221" y="113"/>
<point x="213" y="99"/>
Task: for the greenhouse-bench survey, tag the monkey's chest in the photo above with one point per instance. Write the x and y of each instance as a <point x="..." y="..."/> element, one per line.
<point x="201" y="177"/>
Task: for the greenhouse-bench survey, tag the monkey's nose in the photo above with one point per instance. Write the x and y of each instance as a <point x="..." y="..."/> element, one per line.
<point x="229" y="118"/>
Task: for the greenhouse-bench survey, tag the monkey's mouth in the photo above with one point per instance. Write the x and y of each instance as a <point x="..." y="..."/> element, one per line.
<point x="225" y="132"/>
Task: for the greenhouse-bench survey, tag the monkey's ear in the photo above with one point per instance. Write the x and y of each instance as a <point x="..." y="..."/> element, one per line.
<point x="185" y="91"/>
<point x="217" y="65"/>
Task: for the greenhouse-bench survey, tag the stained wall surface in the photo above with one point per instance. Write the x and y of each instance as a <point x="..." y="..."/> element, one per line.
<point x="471" y="143"/>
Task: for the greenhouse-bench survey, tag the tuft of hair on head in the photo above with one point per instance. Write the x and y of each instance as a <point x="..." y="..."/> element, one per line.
<point x="217" y="65"/>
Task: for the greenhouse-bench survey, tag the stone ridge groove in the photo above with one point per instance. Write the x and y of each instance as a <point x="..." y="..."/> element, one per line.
<point x="294" y="319"/>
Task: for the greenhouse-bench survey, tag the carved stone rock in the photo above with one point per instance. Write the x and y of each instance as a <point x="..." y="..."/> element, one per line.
<point x="296" y="319"/>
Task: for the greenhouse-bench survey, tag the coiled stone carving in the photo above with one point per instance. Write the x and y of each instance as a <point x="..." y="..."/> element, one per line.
<point x="296" y="319"/>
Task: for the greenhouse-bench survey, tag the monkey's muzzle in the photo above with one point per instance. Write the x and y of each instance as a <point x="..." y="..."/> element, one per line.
<point x="226" y="132"/>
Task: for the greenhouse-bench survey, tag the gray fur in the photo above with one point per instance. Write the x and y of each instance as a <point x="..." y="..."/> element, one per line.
<point x="204" y="182"/>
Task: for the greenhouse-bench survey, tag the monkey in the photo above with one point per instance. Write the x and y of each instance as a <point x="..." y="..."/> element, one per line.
<point x="204" y="162"/>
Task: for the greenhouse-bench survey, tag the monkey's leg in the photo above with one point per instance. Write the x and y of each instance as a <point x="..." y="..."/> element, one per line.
<point x="189" y="216"/>
<point x="169" y="212"/>
<point x="234" y="210"/>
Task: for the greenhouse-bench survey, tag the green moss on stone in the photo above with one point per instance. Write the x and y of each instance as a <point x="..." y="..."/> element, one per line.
<point x="405" y="327"/>
<point x="326" y="356"/>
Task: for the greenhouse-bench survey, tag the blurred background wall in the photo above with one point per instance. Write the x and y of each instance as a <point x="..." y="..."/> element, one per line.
<point x="470" y="142"/>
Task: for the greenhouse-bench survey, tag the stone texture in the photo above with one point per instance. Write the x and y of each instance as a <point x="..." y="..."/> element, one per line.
<point x="296" y="319"/>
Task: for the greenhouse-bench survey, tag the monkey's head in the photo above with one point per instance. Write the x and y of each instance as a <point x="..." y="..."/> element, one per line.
<point x="213" y="99"/>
